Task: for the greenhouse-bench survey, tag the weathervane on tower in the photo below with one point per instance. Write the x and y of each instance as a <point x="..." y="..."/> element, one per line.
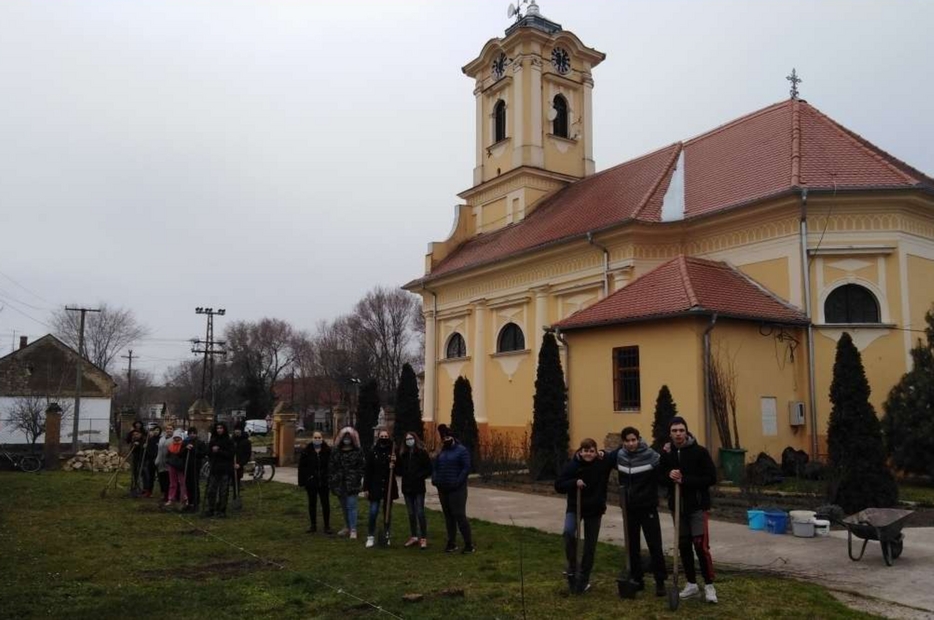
<point x="795" y="80"/>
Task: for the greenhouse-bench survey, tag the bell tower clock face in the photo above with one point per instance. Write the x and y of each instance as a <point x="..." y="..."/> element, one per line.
<point x="499" y="66"/>
<point x="560" y="60"/>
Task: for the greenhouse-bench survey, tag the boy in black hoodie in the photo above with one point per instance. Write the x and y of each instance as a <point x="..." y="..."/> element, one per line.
<point x="589" y="474"/>
<point x="688" y="464"/>
<point x="221" y="456"/>
<point x="244" y="452"/>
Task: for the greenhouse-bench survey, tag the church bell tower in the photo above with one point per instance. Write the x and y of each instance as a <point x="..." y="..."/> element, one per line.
<point x="534" y="125"/>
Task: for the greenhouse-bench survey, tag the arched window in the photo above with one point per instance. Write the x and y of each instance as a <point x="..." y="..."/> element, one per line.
<point x="559" y="126"/>
<point x="499" y="121"/>
<point x="851" y="303"/>
<point x="456" y="347"/>
<point x="510" y="338"/>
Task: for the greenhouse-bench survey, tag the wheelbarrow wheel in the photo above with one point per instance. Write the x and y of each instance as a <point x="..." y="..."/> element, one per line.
<point x="891" y="550"/>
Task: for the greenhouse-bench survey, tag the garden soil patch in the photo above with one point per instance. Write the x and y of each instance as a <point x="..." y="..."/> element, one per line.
<point x="220" y="570"/>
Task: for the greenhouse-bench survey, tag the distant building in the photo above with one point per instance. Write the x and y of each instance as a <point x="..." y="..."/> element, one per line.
<point x="43" y="372"/>
<point x="313" y="398"/>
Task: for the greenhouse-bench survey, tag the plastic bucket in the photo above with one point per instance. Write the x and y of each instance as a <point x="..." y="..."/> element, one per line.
<point x="821" y="527"/>
<point x="802" y="516"/>
<point x="776" y="522"/>
<point x="802" y="530"/>
<point x="756" y="519"/>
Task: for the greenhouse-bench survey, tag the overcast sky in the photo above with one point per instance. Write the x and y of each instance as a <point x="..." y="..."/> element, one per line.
<point x="279" y="158"/>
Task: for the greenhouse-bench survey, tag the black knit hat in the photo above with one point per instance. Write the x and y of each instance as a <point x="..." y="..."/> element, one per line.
<point x="444" y="431"/>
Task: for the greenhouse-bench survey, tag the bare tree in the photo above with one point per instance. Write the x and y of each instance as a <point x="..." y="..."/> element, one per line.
<point x="259" y="354"/>
<point x="135" y="393"/>
<point x="27" y="414"/>
<point x="340" y="356"/>
<point x="106" y="333"/>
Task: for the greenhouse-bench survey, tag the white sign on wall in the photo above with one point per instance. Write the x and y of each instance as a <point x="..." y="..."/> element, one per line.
<point x="769" y="416"/>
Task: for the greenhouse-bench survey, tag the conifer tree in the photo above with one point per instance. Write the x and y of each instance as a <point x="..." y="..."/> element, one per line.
<point x="408" y="411"/>
<point x="665" y="410"/>
<point x="854" y="436"/>
<point x="550" y="437"/>
<point x="908" y="424"/>
<point x="367" y="413"/>
<point x="463" y="422"/>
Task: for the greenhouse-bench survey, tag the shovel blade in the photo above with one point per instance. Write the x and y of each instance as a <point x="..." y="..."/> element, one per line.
<point x="626" y="588"/>
<point x="673" y="599"/>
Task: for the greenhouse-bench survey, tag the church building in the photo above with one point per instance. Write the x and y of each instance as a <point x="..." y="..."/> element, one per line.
<point x="749" y="249"/>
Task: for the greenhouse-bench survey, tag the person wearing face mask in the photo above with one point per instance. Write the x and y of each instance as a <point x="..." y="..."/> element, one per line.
<point x="413" y="468"/>
<point x="244" y="452"/>
<point x="175" y="459"/>
<point x="313" y="475"/>
<point x="196" y="450"/>
<point x="452" y="466"/>
<point x="161" y="465"/>
<point x="376" y="480"/>
<point x="136" y="439"/>
<point x="221" y="456"/>
<point x="345" y="474"/>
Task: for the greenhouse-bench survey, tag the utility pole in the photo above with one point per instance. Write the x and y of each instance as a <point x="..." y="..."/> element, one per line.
<point x="209" y="350"/>
<point x="79" y="371"/>
<point x="129" y="374"/>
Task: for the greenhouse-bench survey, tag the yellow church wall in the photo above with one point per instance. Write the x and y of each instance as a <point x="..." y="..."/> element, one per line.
<point x="508" y="398"/>
<point x="920" y="293"/>
<point x="669" y="353"/>
<point x="772" y="274"/>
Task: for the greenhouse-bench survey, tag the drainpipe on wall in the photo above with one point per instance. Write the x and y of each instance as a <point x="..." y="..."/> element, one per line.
<point x="708" y="404"/>
<point x="606" y="263"/>
<point x="434" y="357"/>
<point x="567" y="369"/>
<point x="806" y="278"/>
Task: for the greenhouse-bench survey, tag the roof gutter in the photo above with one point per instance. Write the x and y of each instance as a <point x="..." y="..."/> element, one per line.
<point x="806" y="282"/>
<point x="434" y="353"/>
<point x="708" y="399"/>
<point x="606" y="263"/>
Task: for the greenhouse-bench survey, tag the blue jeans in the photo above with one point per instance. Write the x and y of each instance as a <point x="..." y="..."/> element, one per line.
<point x="415" y="506"/>
<point x="374" y="514"/>
<point x="349" y="508"/>
<point x="591" y="532"/>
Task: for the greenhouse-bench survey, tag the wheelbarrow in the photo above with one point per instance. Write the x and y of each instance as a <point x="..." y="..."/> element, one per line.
<point x="882" y="524"/>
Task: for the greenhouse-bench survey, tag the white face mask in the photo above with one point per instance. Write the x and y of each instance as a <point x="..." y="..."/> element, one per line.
<point x="316" y="442"/>
<point x="410" y="442"/>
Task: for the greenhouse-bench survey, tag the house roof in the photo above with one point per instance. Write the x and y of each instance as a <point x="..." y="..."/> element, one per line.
<point x="684" y="286"/>
<point x="47" y="367"/>
<point x="770" y="152"/>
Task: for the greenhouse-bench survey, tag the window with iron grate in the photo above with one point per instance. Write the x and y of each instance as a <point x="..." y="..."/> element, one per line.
<point x="456" y="347"/>
<point x="851" y="303"/>
<point x="626" y="382"/>
<point x="510" y="338"/>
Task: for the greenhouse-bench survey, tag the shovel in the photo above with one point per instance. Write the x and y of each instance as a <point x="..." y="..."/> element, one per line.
<point x="673" y="595"/>
<point x="114" y="477"/>
<point x="574" y="579"/>
<point x="387" y="508"/>
<point x="237" y="500"/>
<point x="624" y="585"/>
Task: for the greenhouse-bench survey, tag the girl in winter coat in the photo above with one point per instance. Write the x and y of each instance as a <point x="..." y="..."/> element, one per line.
<point x="175" y="459"/>
<point x="452" y="466"/>
<point x="414" y="467"/>
<point x="345" y="475"/>
<point x="313" y="475"/>
<point x="377" y="480"/>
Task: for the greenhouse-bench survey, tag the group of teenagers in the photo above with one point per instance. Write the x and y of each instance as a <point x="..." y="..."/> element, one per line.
<point x="346" y="469"/>
<point x="175" y="457"/>
<point x="681" y="462"/>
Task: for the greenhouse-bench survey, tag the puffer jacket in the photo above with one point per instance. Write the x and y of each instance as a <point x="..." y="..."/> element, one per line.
<point x="595" y="475"/>
<point x="698" y="475"/>
<point x="347" y="465"/>
<point x="639" y="475"/>
<point x="452" y="466"/>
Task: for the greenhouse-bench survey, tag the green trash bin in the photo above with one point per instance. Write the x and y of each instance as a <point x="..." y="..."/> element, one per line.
<point x="733" y="465"/>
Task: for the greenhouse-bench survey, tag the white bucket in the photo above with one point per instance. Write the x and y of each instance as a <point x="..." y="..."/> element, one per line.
<point x="802" y="516"/>
<point x="821" y="527"/>
<point x="802" y="530"/>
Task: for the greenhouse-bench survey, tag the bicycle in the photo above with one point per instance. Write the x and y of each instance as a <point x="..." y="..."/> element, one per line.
<point x="27" y="463"/>
<point x="253" y="471"/>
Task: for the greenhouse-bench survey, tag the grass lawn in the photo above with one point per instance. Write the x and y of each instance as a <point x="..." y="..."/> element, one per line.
<point x="66" y="553"/>
<point x="908" y="492"/>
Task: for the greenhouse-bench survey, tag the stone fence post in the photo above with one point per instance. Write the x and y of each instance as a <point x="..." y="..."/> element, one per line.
<point x="53" y="435"/>
<point x="283" y="438"/>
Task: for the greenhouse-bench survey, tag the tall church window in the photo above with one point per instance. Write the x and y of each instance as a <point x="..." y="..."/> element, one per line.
<point x="559" y="126"/>
<point x="510" y="338"/>
<point x="499" y="121"/>
<point x="626" y="380"/>
<point x="851" y="303"/>
<point x="456" y="347"/>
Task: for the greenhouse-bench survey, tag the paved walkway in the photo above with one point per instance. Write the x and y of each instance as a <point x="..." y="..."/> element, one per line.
<point x="819" y="560"/>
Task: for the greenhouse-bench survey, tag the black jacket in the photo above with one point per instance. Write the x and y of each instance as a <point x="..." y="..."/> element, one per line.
<point x="313" y="467"/>
<point x="244" y="449"/>
<point x="698" y="475"/>
<point x="639" y="475"/>
<point x="376" y="478"/>
<point x="593" y="496"/>
<point x="152" y="449"/>
<point x="222" y="460"/>
<point x="413" y="467"/>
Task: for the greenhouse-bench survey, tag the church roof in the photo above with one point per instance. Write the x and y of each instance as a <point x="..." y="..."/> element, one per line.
<point x="687" y="286"/>
<point x="765" y="154"/>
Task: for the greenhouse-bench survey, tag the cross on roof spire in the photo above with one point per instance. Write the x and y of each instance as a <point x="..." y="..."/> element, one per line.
<point x="795" y="80"/>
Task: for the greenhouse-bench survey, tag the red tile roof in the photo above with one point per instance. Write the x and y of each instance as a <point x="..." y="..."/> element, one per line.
<point x="686" y="285"/>
<point x="766" y="153"/>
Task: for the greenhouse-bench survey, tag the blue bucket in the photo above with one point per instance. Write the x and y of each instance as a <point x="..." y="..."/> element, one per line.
<point x="756" y="519"/>
<point x="776" y="522"/>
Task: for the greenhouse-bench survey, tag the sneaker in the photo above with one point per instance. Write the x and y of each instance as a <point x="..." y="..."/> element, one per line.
<point x="328" y="531"/>
<point x="689" y="590"/>
<point x="423" y="543"/>
<point x="411" y="542"/>
<point x="370" y="542"/>
<point x="450" y="548"/>
<point x="710" y="593"/>
<point x="168" y="504"/>
<point x="584" y="588"/>
<point x="341" y="533"/>
<point x="468" y="549"/>
<point x="353" y="534"/>
<point x="660" y="589"/>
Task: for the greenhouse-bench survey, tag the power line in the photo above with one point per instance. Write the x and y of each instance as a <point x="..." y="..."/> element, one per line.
<point x="209" y="351"/>
<point x="31" y="292"/>
<point x="31" y="318"/>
